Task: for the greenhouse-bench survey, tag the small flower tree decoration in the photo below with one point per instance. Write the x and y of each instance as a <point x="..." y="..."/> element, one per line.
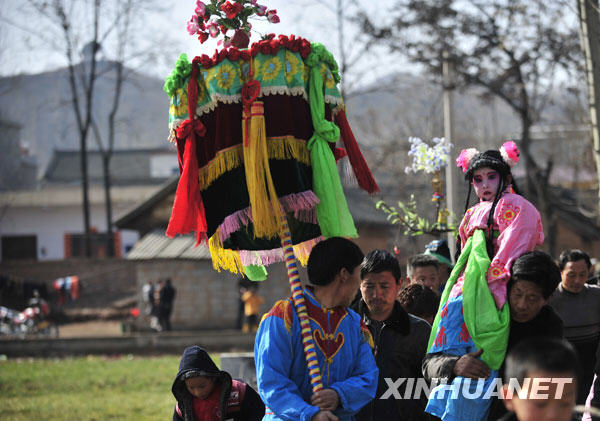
<point x="430" y="159"/>
<point x="217" y="17"/>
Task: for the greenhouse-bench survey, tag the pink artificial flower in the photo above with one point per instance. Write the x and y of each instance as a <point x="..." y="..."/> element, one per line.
<point x="465" y="157"/>
<point x="272" y="16"/>
<point x="213" y="29"/>
<point x="192" y="25"/>
<point x="510" y="153"/>
<point x="200" y="8"/>
<point x="261" y="10"/>
<point x="253" y="2"/>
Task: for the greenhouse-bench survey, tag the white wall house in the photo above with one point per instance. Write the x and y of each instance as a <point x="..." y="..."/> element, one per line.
<point x="39" y="223"/>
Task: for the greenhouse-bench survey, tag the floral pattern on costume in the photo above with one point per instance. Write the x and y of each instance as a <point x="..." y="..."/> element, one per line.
<point x="507" y="214"/>
<point x="226" y="76"/>
<point x="292" y="66"/>
<point x="271" y="68"/>
<point x="497" y="270"/>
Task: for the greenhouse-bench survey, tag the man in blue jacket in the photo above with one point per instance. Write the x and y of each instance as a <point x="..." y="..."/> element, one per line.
<point x="343" y="344"/>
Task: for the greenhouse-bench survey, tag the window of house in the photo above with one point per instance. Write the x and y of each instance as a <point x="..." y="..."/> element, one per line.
<point x="19" y="247"/>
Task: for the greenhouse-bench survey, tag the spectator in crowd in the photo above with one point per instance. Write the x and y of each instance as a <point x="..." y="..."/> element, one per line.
<point x="424" y="269"/>
<point x="439" y="249"/>
<point x="343" y="344"/>
<point x="155" y="314"/>
<point x="578" y="304"/>
<point x="534" y="277"/>
<point x="552" y="369"/>
<point x="165" y="305"/>
<point x="419" y="301"/>
<point x="252" y="302"/>
<point x="243" y="284"/>
<point x="400" y="339"/>
<point x="205" y="393"/>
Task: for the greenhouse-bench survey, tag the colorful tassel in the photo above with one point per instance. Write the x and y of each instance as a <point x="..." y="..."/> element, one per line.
<point x="359" y="165"/>
<point x="266" y="210"/>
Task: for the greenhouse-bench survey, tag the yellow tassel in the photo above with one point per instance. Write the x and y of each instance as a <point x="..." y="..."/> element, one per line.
<point x="224" y="258"/>
<point x="284" y="147"/>
<point x="265" y="206"/>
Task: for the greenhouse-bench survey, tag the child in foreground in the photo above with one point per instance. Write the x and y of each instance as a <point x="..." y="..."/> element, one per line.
<point x="204" y="393"/>
<point x="546" y="370"/>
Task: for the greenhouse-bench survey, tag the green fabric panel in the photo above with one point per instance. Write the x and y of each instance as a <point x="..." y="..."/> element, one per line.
<point x="256" y="273"/>
<point x="332" y="211"/>
<point x="488" y="326"/>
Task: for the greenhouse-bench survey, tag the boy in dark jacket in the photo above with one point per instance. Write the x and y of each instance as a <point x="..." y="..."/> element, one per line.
<point x="204" y="393"/>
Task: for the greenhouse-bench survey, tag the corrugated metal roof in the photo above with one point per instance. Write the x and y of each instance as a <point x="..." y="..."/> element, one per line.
<point x="156" y="245"/>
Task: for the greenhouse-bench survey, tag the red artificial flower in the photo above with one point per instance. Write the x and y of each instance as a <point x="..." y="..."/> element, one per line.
<point x="274" y="46"/>
<point x="231" y="9"/>
<point x="202" y="37"/>
<point x="206" y="61"/>
<point x="245" y="55"/>
<point x="233" y="54"/>
<point x="265" y="47"/>
<point x="304" y="48"/>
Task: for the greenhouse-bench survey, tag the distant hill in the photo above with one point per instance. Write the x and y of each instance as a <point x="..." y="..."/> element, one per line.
<point x="383" y="115"/>
<point x="40" y="104"/>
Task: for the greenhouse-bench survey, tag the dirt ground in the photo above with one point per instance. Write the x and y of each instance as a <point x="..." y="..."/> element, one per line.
<point x="90" y="329"/>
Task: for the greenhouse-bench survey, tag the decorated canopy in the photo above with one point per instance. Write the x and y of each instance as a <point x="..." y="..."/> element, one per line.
<point x="256" y="131"/>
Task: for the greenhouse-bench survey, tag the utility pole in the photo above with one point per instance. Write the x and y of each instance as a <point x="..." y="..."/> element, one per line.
<point x="448" y="83"/>
<point x="589" y="19"/>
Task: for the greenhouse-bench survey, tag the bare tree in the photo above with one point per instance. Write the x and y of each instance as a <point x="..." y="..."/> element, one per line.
<point x="99" y="24"/>
<point x="512" y="49"/>
<point x="82" y="79"/>
<point x="122" y="18"/>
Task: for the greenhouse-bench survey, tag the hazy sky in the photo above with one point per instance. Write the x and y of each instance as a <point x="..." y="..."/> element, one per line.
<point x="22" y="51"/>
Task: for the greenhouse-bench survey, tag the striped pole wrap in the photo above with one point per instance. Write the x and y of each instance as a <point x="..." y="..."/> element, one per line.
<point x="300" y="306"/>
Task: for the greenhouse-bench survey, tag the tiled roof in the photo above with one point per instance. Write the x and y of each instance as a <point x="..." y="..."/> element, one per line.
<point x="126" y="167"/>
<point x="156" y="245"/>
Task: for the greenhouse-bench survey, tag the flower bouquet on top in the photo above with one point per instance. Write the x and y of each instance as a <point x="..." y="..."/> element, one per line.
<point x="218" y="17"/>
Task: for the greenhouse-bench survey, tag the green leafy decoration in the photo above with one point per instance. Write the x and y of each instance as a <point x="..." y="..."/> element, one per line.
<point x="407" y="216"/>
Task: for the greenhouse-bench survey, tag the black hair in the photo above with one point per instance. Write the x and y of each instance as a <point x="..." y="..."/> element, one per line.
<point x="573" y="255"/>
<point x="537" y="267"/>
<point x="541" y="354"/>
<point x="422" y="260"/>
<point x="419" y="300"/>
<point x="378" y="261"/>
<point x="492" y="159"/>
<point x="330" y="256"/>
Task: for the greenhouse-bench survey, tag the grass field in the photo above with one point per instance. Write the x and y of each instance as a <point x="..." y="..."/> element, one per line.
<point x="92" y="388"/>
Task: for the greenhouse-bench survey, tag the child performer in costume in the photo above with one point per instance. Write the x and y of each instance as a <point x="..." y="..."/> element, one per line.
<point x="473" y="315"/>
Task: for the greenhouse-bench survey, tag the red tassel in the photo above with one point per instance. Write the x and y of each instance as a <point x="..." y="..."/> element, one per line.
<point x="188" y="209"/>
<point x="359" y="166"/>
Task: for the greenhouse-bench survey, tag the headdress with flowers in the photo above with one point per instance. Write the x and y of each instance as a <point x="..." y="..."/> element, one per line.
<point x="219" y="16"/>
<point x="502" y="160"/>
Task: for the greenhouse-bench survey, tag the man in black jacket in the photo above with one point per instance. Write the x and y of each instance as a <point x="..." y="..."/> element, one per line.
<point x="534" y="277"/>
<point x="400" y="341"/>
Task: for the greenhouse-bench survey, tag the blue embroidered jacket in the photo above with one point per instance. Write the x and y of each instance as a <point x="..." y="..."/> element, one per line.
<point x="344" y="350"/>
